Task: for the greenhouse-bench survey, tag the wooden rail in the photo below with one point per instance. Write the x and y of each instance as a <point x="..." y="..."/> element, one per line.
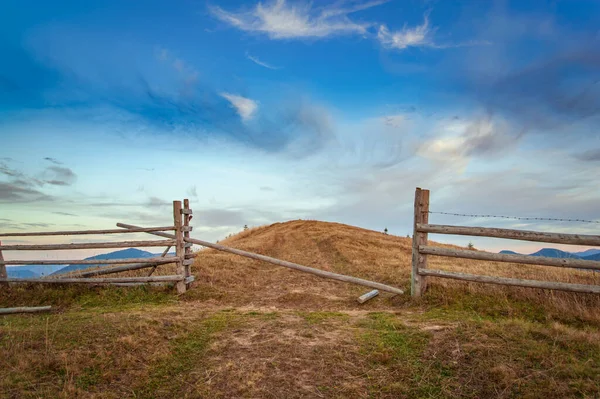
<point x="594" y="289"/>
<point x="291" y="265"/>
<point x="95" y="280"/>
<point x="151" y="261"/>
<point x="87" y="245"/>
<point x="522" y="235"/>
<point x="37" y="309"/>
<point x="421" y="250"/>
<point x="526" y="259"/>
<point x="85" y="232"/>
<point x="3" y="273"/>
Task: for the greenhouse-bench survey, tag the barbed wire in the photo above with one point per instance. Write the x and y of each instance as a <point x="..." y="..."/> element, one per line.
<point x="516" y="217"/>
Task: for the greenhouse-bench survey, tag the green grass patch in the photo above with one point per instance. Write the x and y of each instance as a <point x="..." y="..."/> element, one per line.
<point x="398" y="366"/>
<point x="86" y="297"/>
<point x="169" y="376"/>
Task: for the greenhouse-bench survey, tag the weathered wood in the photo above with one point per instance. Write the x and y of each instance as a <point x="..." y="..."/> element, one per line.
<point x="90" y="261"/>
<point x="84" y="232"/>
<point x="419" y="260"/>
<point x="3" y="273"/>
<point x="140" y="284"/>
<point x="369" y="295"/>
<point x="594" y="289"/>
<point x="530" y="260"/>
<point x="106" y="280"/>
<point x="295" y="266"/>
<point x="27" y="309"/>
<point x="186" y="211"/>
<point x="524" y="235"/>
<point x="165" y="252"/>
<point x="186" y="228"/>
<point x="126" y="268"/>
<point x="88" y="245"/>
<point x="179" y="245"/>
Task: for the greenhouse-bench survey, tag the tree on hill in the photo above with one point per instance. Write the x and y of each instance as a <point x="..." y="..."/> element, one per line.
<point x="385" y="231"/>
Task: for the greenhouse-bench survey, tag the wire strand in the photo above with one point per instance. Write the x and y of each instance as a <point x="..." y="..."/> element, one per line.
<point x="516" y="217"/>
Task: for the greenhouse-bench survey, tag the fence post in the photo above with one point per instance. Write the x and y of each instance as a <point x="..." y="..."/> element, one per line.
<point x="418" y="283"/>
<point x="186" y="233"/>
<point x="3" y="273"/>
<point x="179" y="245"/>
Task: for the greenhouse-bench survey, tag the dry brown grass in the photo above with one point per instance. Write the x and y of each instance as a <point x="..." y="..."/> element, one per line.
<point x="250" y="329"/>
<point x="235" y="280"/>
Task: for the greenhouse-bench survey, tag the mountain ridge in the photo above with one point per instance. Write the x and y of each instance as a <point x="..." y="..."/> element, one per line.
<point x="590" y="254"/>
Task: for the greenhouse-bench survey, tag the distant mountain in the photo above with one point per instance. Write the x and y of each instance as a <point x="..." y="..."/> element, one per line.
<point x="19" y="272"/>
<point x="589" y="252"/>
<point x="509" y="252"/>
<point x="122" y="254"/>
<point x="554" y="253"/>
<point x="592" y="257"/>
<point x="32" y="271"/>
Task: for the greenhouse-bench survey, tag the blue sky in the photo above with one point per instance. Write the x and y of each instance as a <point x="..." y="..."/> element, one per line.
<point x="277" y="110"/>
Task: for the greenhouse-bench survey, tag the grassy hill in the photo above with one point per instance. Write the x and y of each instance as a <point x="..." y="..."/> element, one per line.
<point x="249" y="329"/>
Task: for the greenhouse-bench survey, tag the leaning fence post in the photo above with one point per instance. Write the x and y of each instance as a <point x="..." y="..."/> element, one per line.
<point x="3" y="273"/>
<point x="187" y="216"/>
<point x="179" y="245"/>
<point x="418" y="283"/>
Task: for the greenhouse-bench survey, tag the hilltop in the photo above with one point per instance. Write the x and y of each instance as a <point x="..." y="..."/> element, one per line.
<point x="250" y="329"/>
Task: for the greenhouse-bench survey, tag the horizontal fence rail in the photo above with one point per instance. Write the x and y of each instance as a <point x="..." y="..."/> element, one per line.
<point x="95" y="280"/>
<point x="522" y="235"/>
<point x="88" y="245"/>
<point x="151" y="261"/>
<point x="593" y="289"/>
<point x="526" y="259"/>
<point x="87" y="232"/>
<point x="421" y="250"/>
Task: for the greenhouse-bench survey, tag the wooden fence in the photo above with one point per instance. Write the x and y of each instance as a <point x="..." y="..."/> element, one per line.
<point x="183" y="256"/>
<point x="421" y="250"/>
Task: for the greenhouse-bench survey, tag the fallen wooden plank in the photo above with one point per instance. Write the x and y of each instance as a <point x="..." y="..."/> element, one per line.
<point x="291" y="265"/>
<point x="594" y="289"/>
<point x="37" y="309"/>
<point x="369" y="295"/>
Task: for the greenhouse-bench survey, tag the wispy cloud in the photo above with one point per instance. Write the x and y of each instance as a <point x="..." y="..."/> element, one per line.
<point x="59" y="176"/>
<point x="418" y="36"/>
<point x="245" y="107"/>
<point x="259" y="62"/>
<point x="590" y="155"/>
<point x="280" y="20"/>
<point x="53" y="160"/>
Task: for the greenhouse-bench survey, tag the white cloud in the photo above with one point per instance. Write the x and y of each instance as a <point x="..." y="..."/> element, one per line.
<point x="280" y="20"/>
<point x="245" y="107"/>
<point x="418" y="36"/>
<point x="259" y="62"/>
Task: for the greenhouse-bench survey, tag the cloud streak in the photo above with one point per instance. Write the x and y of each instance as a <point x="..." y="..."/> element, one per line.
<point x="418" y="36"/>
<point x="261" y="63"/>
<point x="282" y="20"/>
